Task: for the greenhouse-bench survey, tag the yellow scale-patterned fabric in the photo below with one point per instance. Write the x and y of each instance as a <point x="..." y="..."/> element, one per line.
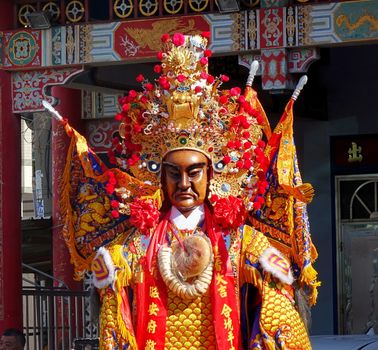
<point x="189" y="324"/>
<point x="277" y="311"/>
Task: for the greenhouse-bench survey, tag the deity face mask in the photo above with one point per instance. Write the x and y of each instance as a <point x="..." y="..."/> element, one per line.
<point x="185" y="179"/>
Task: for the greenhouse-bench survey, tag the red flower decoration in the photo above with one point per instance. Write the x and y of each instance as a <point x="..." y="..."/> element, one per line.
<point x="230" y="212"/>
<point x="149" y="87"/>
<point x="157" y="68"/>
<point x="181" y="78"/>
<point x="133" y="94"/>
<point x="235" y="91"/>
<point x="144" y="215"/>
<point x="139" y="78"/>
<point x="210" y="79"/>
<point x="204" y="75"/>
<point x="165" y="38"/>
<point x="115" y="214"/>
<point x="126" y="107"/>
<point x="178" y="39"/>
<point x="224" y="78"/>
<point x="226" y="159"/>
<point x="207" y="53"/>
<point x="204" y="60"/>
<point x="223" y="99"/>
<point x="114" y="204"/>
<point x="206" y="35"/>
<point x="197" y="89"/>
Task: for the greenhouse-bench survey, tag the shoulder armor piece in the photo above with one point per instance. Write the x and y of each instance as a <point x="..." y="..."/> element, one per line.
<point x="274" y="262"/>
<point x="102" y="268"/>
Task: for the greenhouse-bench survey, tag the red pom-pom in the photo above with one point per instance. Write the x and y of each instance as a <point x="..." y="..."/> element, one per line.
<point x="125" y="107"/>
<point x="226" y="159"/>
<point x="133" y="94"/>
<point x="261" y="143"/>
<point x="230" y="212"/>
<point x="115" y="214"/>
<point x="139" y="78"/>
<point x="223" y="99"/>
<point x="149" y="87"/>
<point x="204" y="75"/>
<point x="206" y="35"/>
<point x="235" y="91"/>
<point x="157" y="68"/>
<point x="181" y="78"/>
<point x="204" y="60"/>
<point x="207" y="53"/>
<point x="197" y="89"/>
<point x="231" y="144"/>
<point x="239" y="164"/>
<point x="178" y="39"/>
<point x="238" y="144"/>
<point x="210" y="79"/>
<point x="225" y="78"/>
<point x="159" y="55"/>
<point x="144" y="215"/>
<point x="118" y="117"/>
<point x="165" y="38"/>
<point x="241" y="99"/>
<point x="246" y="135"/>
<point x="109" y="188"/>
<point x="114" y="204"/>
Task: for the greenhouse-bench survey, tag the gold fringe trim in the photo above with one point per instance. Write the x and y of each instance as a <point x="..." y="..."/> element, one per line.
<point x="309" y="277"/>
<point x="80" y="264"/>
<point x="303" y="193"/>
<point x="123" y="277"/>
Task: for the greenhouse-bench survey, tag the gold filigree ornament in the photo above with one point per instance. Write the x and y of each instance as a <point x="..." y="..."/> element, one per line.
<point x="187" y="267"/>
<point x="185" y="109"/>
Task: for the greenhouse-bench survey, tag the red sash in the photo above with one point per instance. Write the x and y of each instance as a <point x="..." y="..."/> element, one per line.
<point x="151" y="294"/>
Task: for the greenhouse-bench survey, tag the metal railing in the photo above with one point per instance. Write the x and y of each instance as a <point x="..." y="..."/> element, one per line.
<point x="54" y="317"/>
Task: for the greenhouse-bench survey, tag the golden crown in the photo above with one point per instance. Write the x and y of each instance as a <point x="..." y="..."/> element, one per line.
<point x="185" y="109"/>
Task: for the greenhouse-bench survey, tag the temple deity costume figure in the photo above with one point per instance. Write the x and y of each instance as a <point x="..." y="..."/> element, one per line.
<point x="198" y="235"/>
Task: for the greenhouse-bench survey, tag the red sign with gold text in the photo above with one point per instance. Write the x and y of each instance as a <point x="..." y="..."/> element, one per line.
<point x="141" y="39"/>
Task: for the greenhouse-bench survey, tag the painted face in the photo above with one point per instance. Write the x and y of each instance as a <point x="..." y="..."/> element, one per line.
<point x="185" y="179"/>
<point x="9" y="342"/>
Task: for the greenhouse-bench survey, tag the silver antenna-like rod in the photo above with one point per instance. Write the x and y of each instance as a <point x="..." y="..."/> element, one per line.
<point x="301" y="83"/>
<point x="52" y="110"/>
<point x="252" y="72"/>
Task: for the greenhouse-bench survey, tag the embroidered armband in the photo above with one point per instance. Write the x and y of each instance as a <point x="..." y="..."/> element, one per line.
<point x="103" y="268"/>
<point x="272" y="261"/>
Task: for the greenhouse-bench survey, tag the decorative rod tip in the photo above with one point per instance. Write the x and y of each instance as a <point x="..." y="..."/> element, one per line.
<point x="252" y="72"/>
<point x="301" y="83"/>
<point x="52" y="110"/>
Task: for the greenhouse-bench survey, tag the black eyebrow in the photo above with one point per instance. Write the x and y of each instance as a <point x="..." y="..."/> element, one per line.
<point x="191" y="167"/>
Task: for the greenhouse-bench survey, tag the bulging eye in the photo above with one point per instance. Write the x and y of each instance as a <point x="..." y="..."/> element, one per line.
<point x="153" y="167"/>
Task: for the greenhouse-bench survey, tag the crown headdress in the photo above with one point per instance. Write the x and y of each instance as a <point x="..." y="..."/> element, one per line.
<point x="185" y="109"/>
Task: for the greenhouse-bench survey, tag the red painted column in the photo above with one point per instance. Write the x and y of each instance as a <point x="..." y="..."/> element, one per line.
<point x="69" y="106"/>
<point x="10" y="197"/>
